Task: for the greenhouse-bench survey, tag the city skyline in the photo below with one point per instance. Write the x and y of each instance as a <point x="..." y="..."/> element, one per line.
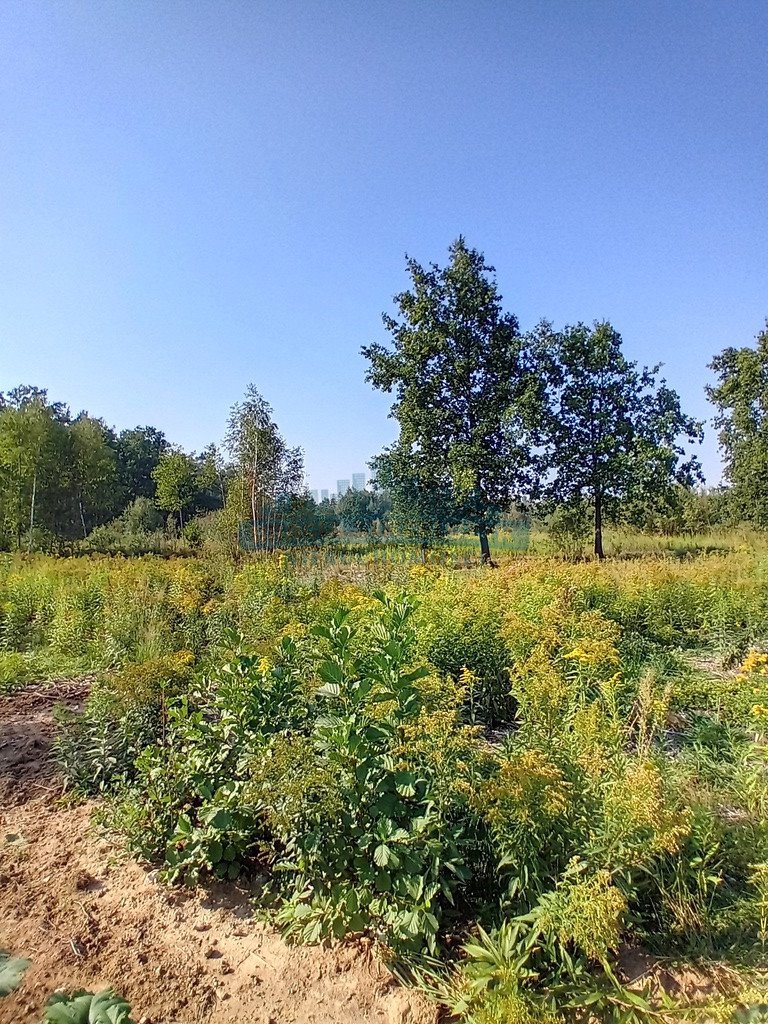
<point x="354" y="482"/>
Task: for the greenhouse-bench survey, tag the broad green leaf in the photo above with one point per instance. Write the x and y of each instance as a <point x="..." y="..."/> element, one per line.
<point x="382" y="855"/>
<point x="11" y="972"/>
<point x="86" y="1008"/>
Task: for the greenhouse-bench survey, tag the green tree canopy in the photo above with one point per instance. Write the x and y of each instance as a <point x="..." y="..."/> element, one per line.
<point x="421" y="509"/>
<point x="33" y="442"/>
<point x="611" y="439"/>
<point x="175" y="477"/>
<point x="465" y="392"/>
<point x="356" y="511"/>
<point x="741" y="398"/>
<point x="93" y="472"/>
<point x="138" y="452"/>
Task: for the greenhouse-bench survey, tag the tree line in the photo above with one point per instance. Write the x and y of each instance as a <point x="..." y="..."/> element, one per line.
<point x="558" y="422"/>
<point x="64" y="475"/>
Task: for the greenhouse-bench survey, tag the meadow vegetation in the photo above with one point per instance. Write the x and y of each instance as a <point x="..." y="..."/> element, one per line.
<point x="503" y="777"/>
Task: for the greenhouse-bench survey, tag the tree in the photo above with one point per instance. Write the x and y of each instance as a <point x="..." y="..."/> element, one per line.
<point x="421" y="510"/>
<point x="269" y="472"/>
<point x="465" y="390"/>
<point x="175" y="477"/>
<point x="138" y="453"/>
<point x="356" y="511"/>
<point x="306" y="522"/>
<point x="32" y="436"/>
<point x="611" y="436"/>
<point x="211" y="480"/>
<point x="741" y="398"/>
<point x="93" y="472"/>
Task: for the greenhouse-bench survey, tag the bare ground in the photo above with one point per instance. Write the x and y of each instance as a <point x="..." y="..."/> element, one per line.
<point x="89" y="918"/>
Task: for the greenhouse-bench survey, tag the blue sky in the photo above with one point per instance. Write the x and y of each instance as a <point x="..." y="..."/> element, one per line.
<point x="195" y="195"/>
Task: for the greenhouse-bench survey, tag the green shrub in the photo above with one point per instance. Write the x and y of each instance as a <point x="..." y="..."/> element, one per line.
<point x="15" y="671"/>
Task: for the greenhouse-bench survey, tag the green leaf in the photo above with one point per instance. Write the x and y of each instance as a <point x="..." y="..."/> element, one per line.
<point x="405" y="783"/>
<point x="383" y="881"/>
<point x="184" y="826"/>
<point x="11" y="972"/>
<point x="382" y="855"/>
<point x="217" y="817"/>
<point x="86" y="1008"/>
<point x="332" y="673"/>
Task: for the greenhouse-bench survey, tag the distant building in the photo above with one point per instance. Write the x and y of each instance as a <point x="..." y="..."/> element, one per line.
<point x="358" y="481"/>
<point x="313" y="496"/>
<point x="342" y="486"/>
<point x="324" y="494"/>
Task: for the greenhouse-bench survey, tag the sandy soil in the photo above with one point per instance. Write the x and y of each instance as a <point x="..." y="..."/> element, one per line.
<point x="89" y="918"/>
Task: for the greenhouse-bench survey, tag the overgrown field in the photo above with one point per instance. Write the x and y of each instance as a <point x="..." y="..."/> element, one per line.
<point x="503" y="776"/>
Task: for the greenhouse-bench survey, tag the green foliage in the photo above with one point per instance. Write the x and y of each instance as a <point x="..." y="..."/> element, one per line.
<point x="422" y="509"/>
<point x="741" y="399"/>
<point x="568" y="528"/>
<point x="555" y="753"/>
<point x="186" y="804"/>
<point x="524" y="971"/>
<point x="175" y="478"/>
<point x="139" y="451"/>
<point x="12" y="970"/>
<point x="87" y="1008"/>
<point x="611" y="435"/>
<point x="379" y="850"/>
<point x="15" y="671"/>
<point x="464" y="387"/>
<point x="269" y="473"/>
<point x="96" y="749"/>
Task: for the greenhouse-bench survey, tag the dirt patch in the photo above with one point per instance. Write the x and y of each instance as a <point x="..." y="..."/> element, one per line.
<point x="89" y="918"/>
<point x="691" y="983"/>
<point x="26" y="734"/>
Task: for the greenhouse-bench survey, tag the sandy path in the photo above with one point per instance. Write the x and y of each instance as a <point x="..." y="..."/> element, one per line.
<point x="89" y="918"/>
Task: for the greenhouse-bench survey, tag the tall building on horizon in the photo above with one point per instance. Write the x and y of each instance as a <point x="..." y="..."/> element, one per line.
<point x="324" y="494"/>
<point x="342" y="486"/>
<point x="313" y="495"/>
<point x="358" y="481"/>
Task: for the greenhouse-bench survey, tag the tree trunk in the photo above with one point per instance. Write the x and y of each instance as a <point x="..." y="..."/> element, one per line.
<point x="32" y="513"/>
<point x="82" y="519"/>
<point x="599" y="526"/>
<point x="254" y="513"/>
<point x="485" y="551"/>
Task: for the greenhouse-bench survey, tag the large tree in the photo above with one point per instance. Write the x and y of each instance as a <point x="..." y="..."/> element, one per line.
<point x="741" y="398"/>
<point x="612" y="438"/>
<point x="464" y="390"/>
<point x="356" y="511"/>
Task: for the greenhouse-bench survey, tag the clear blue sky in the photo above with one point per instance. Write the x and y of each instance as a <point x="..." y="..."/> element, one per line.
<point x="195" y="195"/>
